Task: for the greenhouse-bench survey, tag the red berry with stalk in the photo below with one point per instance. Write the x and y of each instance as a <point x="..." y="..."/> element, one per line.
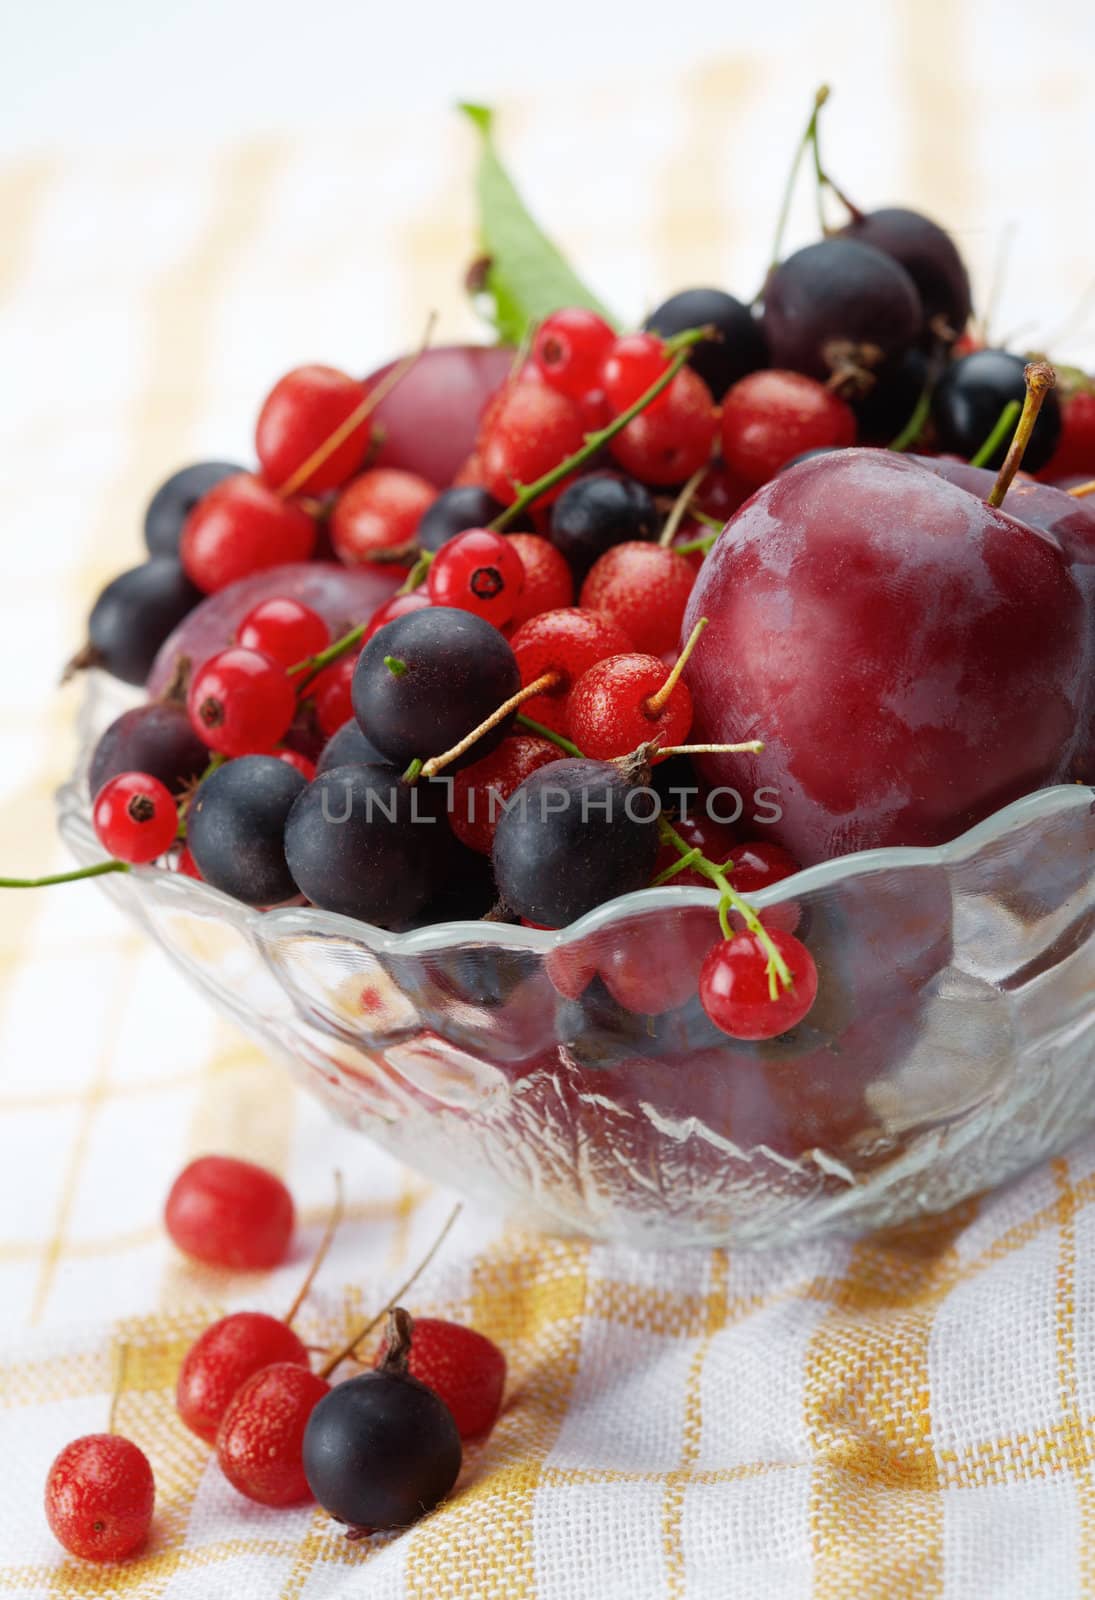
<point x="464" y="1368"/>
<point x="397" y="606"/>
<point x="671" y="438"/>
<point x="284" y="629"/>
<point x="330" y="692"/>
<point x="745" y="998"/>
<point x="307" y="438"/>
<point x="135" y="817"/>
<point x="531" y="430"/>
<point x="569" y="349"/>
<point x="565" y="642"/>
<point x="631" y="365"/>
<point x="377" y="515"/>
<point x="644" y="589"/>
<point x="770" y="417"/>
<point x="241" y="702"/>
<point x="624" y="701"/>
<point x="230" y="1213"/>
<point x="548" y="584"/>
<point x="478" y="571"/>
<point x="100" y="1493"/>
<point x="242" y="526"/>
<point x="480" y="790"/>
<point x="261" y="1435"/>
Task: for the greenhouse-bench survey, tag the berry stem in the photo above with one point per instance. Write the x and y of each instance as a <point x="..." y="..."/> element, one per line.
<point x="677" y="866"/>
<point x="751" y="747"/>
<point x="312" y="666"/>
<point x="527" y="494"/>
<point x="779" y="974"/>
<point x="417" y="575"/>
<point x="397" y="1340"/>
<point x="333" y="1221"/>
<point x="680" y="506"/>
<point x="100" y="870"/>
<point x="805" y="143"/>
<point x="366" y="1328"/>
<point x="550" y="735"/>
<point x="1040" y="379"/>
<point x="121" y="1360"/>
<point x="703" y="544"/>
<point x="540" y="685"/>
<point x="357" y="416"/>
<point x="1082" y="490"/>
<point x="1005" y="422"/>
<point x="658" y="699"/>
<point x="912" y="430"/>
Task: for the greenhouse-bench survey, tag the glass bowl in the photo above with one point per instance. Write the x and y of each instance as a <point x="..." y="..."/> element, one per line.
<point x="952" y="1044"/>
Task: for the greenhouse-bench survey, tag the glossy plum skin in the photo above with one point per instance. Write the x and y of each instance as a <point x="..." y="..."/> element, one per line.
<point x="913" y="659"/>
<point x="431" y="418"/>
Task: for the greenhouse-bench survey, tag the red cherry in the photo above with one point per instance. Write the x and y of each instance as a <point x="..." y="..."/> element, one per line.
<point x="633" y="365"/>
<point x="670" y="439"/>
<point x="532" y="428"/>
<point x="135" y="817"/>
<point x="223" y="1358"/>
<point x="241" y="526"/>
<point x="283" y="629"/>
<point x="569" y="348"/>
<point x="1075" y="452"/>
<point x="240" y="702"/>
<point x="464" y="1368"/>
<point x="330" y="692"/>
<point x="479" y="790"/>
<point x="734" y="988"/>
<point x="650" y="980"/>
<point x="760" y="863"/>
<point x="100" y="1495"/>
<point x="770" y="417"/>
<point x="549" y="583"/>
<point x="379" y="513"/>
<point x="397" y="606"/>
<point x="300" y="763"/>
<point x="261" y="1436"/>
<point x="230" y="1213"/>
<point x="645" y="590"/>
<point x="566" y="642"/>
<point x="478" y="571"/>
<point x="609" y="707"/>
<point x="300" y="414"/>
<point x="720" y="493"/>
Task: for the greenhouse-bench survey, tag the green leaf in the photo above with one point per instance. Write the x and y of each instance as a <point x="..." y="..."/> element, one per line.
<point x="526" y="276"/>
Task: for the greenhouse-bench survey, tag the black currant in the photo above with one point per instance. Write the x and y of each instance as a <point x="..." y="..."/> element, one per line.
<point x="929" y="255"/>
<point x="740" y="347"/>
<point x="349" y="748"/>
<point x="840" y="306"/>
<point x="467" y="891"/>
<point x="134" y="615"/>
<point x="969" y="398"/>
<point x="455" y="511"/>
<point x="888" y="405"/>
<point x="596" y="512"/>
<point x="236" y="824"/>
<point x="427" y="678"/>
<point x="575" y="834"/>
<point x="176" y="498"/>
<point x="362" y="842"/>
<point x="155" y="738"/>
<point x="381" y="1450"/>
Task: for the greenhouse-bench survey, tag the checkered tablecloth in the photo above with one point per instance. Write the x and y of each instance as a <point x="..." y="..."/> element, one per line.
<point x="912" y="1415"/>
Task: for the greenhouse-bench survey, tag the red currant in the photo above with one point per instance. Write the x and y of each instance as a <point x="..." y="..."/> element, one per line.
<point x="187" y="865"/>
<point x="241" y="702"/>
<point x="397" y="606"/>
<point x="230" y="1213"/>
<point x="223" y="1358"/>
<point x="241" y="526"/>
<point x="645" y="590"/>
<point x="135" y="817"/>
<point x="569" y="349"/>
<point x="532" y="428"/>
<point x="668" y="441"/>
<point x="734" y="986"/>
<point x="632" y="365"/>
<point x="609" y="709"/>
<point x="720" y="493"/>
<point x="479" y="790"/>
<point x="548" y="585"/>
<point x="100" y="1495"/>
<point x="300" y="763"/>
<point x="283" y="629"/>
<point x="261" y="1436"/>
<point x="760" y="863"/>
<point x="301" y="413"/>
<point x="478" y="571"/>
<point x="596" y="411"/>
<point x="566" y="642"/>
<point x="464" y="1368"/>
<point x="330" y="692"/>
<point x="713" y="839"/>
<point x="379" y="513"/>
<point x="770" y="417"/>
<point x="650" y="980"/>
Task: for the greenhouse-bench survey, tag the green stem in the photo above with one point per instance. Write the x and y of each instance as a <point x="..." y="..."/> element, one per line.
<point x="678" y="866"/>
<point x="417" y="575"/>
<point x="527" y="494"/>
<point x="779" y="974"/>
<point x="1005" y="423"/>
<point x="411" y="774"/>
<point x="312" y="666"/>
<point x="549" y="734"/>
<point x="98" y="871"/>
<point x="912" y="430"/>
<point x="703" y="544"/>
<point x="809" y="138"/>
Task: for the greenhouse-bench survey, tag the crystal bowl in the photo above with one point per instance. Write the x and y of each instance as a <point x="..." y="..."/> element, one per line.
<point x="952" y="1044"/>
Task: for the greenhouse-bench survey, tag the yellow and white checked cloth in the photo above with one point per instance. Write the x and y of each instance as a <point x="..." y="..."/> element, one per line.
<point x="905" y="1416"/>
